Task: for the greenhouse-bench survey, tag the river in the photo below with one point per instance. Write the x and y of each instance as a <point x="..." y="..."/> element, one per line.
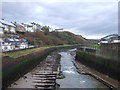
<point x="72" y="78"/>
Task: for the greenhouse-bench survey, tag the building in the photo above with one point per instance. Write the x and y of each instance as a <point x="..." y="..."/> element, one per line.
<point x="32" y="27"/>
<point x="36" y="27"/>
<point x="5" y="46"/>
<point x="9" y="44"/>
<point x="19" y="27"/>
<point x="23" y="44"/>
<point x="113" y="38"/>
<point x="7" y="27"/>
<point x="1" y="29"/>
<point x="115" y="41"/>
<point x="28" y="27"/>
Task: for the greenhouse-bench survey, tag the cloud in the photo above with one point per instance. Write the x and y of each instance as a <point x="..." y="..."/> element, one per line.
<point x="91" y="19"/>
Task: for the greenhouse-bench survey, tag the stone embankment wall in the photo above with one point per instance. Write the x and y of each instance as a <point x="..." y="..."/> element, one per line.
<point x="14" y="68"/>
<point x="110" y="46"/>
<point x="104" y="65"/>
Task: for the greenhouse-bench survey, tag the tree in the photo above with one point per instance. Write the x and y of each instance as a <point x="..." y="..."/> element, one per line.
<point x="45" y="29"/>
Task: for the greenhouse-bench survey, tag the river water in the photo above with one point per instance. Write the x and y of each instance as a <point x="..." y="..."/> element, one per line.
<point x="72" y="78"/>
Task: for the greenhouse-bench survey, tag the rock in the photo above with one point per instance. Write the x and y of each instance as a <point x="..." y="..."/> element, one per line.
<point x="24" y="77"/>
<point x="15" y="84"/>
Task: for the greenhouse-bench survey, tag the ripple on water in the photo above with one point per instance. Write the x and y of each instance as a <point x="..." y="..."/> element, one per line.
<point x="72" y="78"/>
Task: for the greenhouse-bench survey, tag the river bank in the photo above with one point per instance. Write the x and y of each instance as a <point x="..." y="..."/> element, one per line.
<point x="50" y="64"/>
<point x="73" y="79"/>
<point x="81" y="68"/>
<point x="40" y="64"/>
<point x="102" y="68"/>
<point x="18" y="67"/>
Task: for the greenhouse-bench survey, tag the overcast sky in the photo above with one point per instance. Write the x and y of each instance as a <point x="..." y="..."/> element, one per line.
<point x="92" y="20"/>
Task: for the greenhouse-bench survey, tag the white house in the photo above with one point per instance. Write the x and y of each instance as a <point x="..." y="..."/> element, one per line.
<point x="23" y="44"/>
<point x="28" y="27"/>
<point x="8" y="44"/>
<point x="1" y="29"/>
<point x="5" y="46"/>
<point x="32" y="27"/>
<point x="116" y="41"/>
<point x="113" y="38"/>
<point x="36" y="27"/>
<point x="8" y="27"/>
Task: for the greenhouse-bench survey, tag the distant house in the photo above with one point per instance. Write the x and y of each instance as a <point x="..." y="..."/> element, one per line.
<point x="8" y="44"/>
<point x="20" y="28"/>
<point x="113" y="38"/>
<point x="32" y="27"/>
<point x="28" y="27"/>
<point x="36" y="27"/>
<point x="8" y="27"/>
<point x="23" y="44"/>
<point x="115" y="41"/>
<point x="1" y="29"/>
<point x="103" y="41"/>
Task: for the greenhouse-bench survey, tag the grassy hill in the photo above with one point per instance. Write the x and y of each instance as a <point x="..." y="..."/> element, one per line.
<point x="68" y="37"/>
<point x="53" y="38"/>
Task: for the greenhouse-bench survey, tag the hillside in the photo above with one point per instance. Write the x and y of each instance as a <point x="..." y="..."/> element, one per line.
<point x="53" y="38"/>
<point x="68" y="37"/>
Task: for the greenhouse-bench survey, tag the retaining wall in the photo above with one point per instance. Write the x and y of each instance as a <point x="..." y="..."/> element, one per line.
<point x="110" y="46"/>
<point x="104" y="65"/>
<point x="18" y="67"/>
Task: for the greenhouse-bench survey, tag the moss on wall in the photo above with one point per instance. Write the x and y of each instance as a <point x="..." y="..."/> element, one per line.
<point x="104" y="65"/>
<point x="24" y="64"/>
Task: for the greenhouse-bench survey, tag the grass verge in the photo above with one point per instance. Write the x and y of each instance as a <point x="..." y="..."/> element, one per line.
<point x="15" y="70"/>
<point x="28" y="51"/>
<point x="94" y="46"/>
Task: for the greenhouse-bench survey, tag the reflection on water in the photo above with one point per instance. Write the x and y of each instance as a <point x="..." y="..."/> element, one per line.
<point x="72" y="78"/>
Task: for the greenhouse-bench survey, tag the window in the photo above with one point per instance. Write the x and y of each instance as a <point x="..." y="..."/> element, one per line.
<point x="5" y="48"/>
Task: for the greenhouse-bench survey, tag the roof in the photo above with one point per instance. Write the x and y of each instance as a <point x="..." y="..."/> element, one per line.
<point x="16" y="40"/>
<point x="24" y="40"/>
<point x="10" y="39"/>
<point x="29" y="24"/>
<point x="1" y="25"/>
<point x="20" y="28"/>
<point x="6" y="23"/>
<point x="111" y="37"/>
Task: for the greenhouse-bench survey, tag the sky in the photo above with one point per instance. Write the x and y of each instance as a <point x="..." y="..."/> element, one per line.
<point x="92" y="20"/>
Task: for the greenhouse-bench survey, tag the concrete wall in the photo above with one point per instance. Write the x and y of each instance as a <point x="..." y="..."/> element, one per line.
<point x="110" y="46"/>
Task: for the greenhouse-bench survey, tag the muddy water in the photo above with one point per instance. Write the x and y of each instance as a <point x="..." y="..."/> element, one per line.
<point x="72" y="78"/>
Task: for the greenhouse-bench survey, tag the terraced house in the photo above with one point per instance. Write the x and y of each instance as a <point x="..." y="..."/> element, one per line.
<point x="7" y="27"/>
<point x="1" y="29"/>
<point x="113" y="38"/>
<point x="8" y="44"/>
<point x="32" y="27"/>
<point x="19" y="27"/>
